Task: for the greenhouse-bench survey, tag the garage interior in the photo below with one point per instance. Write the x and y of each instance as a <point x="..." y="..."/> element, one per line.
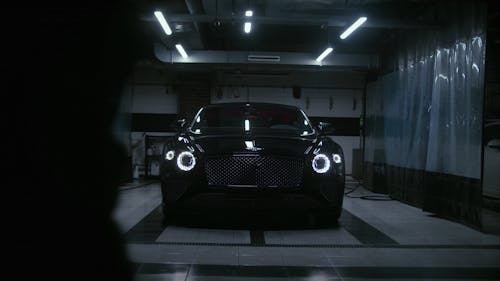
<point x="408" y="94"/>
<point x="413" y="95"/>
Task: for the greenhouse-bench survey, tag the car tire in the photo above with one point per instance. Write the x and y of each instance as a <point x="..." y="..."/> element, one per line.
<point x="330" y="217"/>
<point x="335" y="213"/>
<point x="167" y="214"/>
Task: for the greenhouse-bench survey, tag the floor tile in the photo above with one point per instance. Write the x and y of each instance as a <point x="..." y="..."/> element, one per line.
<point x="151" y="253"/>
<point x="160" y="277"/>
<point x="304" y="257"/>
<point x="264" y="260"/>
<point x="262" y="271"/>
<point x="217" y="255"/>
<point x="310" y="237"/>
<point x="200" y="235"/>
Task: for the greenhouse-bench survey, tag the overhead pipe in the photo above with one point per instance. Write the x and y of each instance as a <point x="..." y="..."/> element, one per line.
<point x="337" y="21"/>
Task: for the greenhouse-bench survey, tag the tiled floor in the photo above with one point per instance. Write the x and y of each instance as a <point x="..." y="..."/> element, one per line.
<point x="374" y="240"/>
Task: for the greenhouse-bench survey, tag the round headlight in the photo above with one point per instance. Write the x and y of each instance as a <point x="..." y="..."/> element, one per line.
<point x="321" y="163"/>
<point x="336" y="158"/>
<point x="170" y="155"/>
<point x="186" y="161"/>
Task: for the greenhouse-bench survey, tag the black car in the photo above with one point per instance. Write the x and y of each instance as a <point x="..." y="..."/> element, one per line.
<point x="252" y="156"/>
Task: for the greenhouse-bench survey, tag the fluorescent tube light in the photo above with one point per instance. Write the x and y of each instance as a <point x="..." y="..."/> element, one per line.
<point x="163" y="22"/>
<point x="248" y="27"/>
<point x="181" y="50"/>
<point x="324" y="54"/>
<point x="249" y="13"/>
<point x="353" y="27"/>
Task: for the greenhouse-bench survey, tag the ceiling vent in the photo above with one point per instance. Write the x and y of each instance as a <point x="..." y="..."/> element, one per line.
<point x="263" y="58"/>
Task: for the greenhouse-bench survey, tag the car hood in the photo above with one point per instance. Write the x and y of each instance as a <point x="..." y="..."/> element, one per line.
<point x="279" y="145"/>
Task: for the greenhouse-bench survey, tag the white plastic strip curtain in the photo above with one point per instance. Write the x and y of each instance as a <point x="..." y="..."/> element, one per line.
<point x="432" y="111"/>
<point x="398" y="116"/>
<point x="457" y="109"/>
<point x="427" y="115"/>
<point x="374" y="124"/>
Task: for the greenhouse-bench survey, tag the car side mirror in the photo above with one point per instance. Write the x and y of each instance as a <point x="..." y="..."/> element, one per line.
<point x="181" y="123"/>
<point x="325" y="128"/>
<point x="178" y="124"/>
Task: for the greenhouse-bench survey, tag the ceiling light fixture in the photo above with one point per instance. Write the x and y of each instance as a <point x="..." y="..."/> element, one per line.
<point x="181" y="50"/>
<point x="163" y="22"/>
<point x="248" y="27"/>
<point x="324" y="54"/>
<point x="353" y="27"/>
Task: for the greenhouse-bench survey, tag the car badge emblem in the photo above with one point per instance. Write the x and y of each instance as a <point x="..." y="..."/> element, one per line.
<point x="250" y="145"/>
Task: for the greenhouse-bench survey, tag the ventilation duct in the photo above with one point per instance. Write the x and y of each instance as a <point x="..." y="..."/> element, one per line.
<point x="263" y="58"/>
<point x="365" y="61"/>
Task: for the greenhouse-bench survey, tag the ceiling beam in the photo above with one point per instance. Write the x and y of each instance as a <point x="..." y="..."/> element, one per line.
<point x="191" y="10"/>
<point x="333" y="21"/>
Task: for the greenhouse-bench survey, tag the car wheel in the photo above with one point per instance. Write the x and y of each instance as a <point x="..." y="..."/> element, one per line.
<point x="312" y="220"/>
<point x="335" y="213"/>
<point x="330" y="217"/>
<point x="167" y="214"/>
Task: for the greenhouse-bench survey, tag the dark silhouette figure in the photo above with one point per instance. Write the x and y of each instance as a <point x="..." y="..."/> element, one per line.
<point x="67" y="63"/>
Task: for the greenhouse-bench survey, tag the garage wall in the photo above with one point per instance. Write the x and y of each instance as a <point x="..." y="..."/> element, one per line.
<point x="423" y="136"/>
<point x="154" y="99"/>
<point x="316" y="102"/>
<point x="121" y="128"/>
<point x="123" y="118"/>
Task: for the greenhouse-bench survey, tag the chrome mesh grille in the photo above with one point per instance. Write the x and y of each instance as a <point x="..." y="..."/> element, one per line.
<point x="260" y="170"/>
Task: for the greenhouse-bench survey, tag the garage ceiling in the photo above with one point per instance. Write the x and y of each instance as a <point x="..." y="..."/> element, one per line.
<point x="305" y="26"/>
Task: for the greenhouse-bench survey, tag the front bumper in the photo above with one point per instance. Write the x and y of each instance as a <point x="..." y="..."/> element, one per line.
<point x="192" y="191"/>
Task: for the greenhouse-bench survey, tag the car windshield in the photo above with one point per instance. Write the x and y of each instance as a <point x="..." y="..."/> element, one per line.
<point x="251" y="119"/>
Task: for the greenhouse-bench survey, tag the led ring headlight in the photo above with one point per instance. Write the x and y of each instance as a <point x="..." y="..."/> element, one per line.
<point x="170" y="155"/>
<point x="186" y="161"/>
<point x="321" y="163"/>
<point x="336" y="158"/>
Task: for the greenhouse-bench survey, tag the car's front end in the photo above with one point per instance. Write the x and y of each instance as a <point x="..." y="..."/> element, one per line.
<point x="252" y="170"/>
